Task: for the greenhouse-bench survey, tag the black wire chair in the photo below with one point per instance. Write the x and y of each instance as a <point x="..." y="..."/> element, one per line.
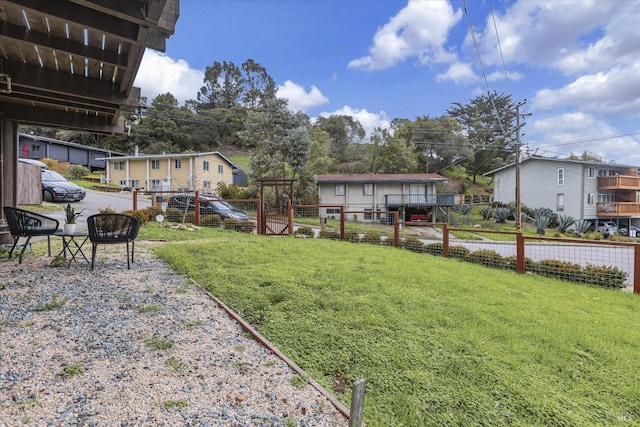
<point x="111" y="229"/>
<point x="28" y="224"/>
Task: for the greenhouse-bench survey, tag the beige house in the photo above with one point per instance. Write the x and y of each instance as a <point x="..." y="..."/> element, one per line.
<point x="170" y="172"/>
<point x="414" y="196"/>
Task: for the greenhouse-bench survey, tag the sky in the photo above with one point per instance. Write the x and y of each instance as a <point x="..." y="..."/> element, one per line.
<point x="575" y="65"/>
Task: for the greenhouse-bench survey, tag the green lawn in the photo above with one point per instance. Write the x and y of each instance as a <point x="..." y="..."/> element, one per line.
<point x="439" y="341"/>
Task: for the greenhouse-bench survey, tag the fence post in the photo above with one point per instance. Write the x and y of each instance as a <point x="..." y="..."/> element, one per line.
<point x="636" y="269"/>
<point x="342" y="223"/>
<point x="197" y="211"/>
<point x="135" y="200"/>
<point x="357" y="403"/>
<point x="520" y="257"/>
<point x="290" y="217"/>
<point x="396" y="229"/>
<point x="445" y="240"/>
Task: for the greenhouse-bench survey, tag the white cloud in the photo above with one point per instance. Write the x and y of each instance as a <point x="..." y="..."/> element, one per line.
<point x="578" y="132"/>
<point x="499" y="75"/>
<point x="369" y="121"/>
<point x="616" y="91"/>
<point x="460" y="73"/>
<point x="299" y="99"/>
<point x="418" y="30"/>
<point x="159" y="74"/>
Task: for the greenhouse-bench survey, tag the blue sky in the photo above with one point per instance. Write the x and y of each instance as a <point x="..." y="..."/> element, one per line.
<point x="577" y="63"/>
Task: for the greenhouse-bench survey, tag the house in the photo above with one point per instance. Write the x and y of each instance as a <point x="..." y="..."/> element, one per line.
<point x="170" y="172"/>
<point x="414" y="196"/>
<point x="38" y="147"/>
<point x="582" y="189"/>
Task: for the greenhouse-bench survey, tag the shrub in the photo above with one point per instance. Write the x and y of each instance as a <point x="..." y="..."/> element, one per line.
<point x="173" y="215"/>
<point x="434" y="249"/>
<point x="371" y="237"/>
<point x="487" y="257"/>
<point x="511" y="263"/>
<point x="77" y="171"/>
<point x="153" y="211"/>
<point x="351" y="236"/>
<point x="559" y="269"/>
<point x="190" y="217"/>
<point x="329" y="234"/>
<point x="212" y="220"/>
<point x="463" y="209"/>
<point x="413" y="244"/>
<point x="305" y="231"/>
<point x="138" y="214"/>
<point x="486" y="212"/>
<point x="604" y="275"/>
<point x="459" y="252"/>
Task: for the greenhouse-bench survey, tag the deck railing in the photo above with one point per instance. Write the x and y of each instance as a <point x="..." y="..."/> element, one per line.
<point x="395" y="200"/>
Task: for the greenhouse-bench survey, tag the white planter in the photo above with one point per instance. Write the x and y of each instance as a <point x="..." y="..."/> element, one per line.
<point x="69" y="228"/>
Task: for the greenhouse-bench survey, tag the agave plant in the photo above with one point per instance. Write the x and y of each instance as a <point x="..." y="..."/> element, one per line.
<point x="581" y="226"/>
<point x="565" y="222"/>
<point x="486" y="212"/>
<point x="464" y="209"/>
<point x="541" y="220"/>
<point x="502" y="214"/>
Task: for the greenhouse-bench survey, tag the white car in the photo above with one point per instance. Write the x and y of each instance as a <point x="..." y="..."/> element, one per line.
<point x="607" y="228"/>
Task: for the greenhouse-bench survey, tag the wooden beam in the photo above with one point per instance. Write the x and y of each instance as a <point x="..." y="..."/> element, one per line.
<point x="90" y="18"/>
<point x="59" y="118"/>
<point x="63" y="83"/>
<point x="21" y="35"/>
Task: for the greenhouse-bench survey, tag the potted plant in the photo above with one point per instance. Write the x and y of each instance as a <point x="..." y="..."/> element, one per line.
<point x="71" y="215"/>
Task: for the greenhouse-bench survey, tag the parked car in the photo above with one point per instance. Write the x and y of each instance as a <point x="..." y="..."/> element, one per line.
<point x="56" y="188"/>
<point x="208" y="205"/>
<point x="607" y="228"/>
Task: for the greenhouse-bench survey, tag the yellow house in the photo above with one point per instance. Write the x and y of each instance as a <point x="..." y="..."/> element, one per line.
<point x="170" y="172"/>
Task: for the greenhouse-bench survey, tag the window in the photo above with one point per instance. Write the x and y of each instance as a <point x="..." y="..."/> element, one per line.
<point x="605" y="198"/>
<point x="367" y="189"/>
<point x="602" y="172"/>
<point x="118" y="166"/>
<point x="205" y="165"/>
<point x="592" y="172"/>
<point x="560" y="177"/>
<point x="156" y="184"/>
<point x="590" y="198"/>
<point x="123" y="183"/>
<point x="135" y="183"/>
<point x="220" y="169"/>
<point x="333" y="211"/>
<point x="339" y="189"/>
<point x="368" y="215"/>
<point x="560" y="202"/>
<point x="206" y="185"/>
<point x="177" y="163"/>
<point x="155" y="164"/>
<point x="35" y="147"/>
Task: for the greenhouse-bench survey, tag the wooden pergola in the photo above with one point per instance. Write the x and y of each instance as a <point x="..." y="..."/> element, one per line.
<point x="71" y="64"/>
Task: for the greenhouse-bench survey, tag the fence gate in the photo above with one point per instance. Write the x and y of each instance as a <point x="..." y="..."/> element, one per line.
<point x="276" y="197"/>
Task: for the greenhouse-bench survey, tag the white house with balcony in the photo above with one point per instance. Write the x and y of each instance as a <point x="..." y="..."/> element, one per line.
<point x="414" y="196"/>
<point x="582" y="189"/>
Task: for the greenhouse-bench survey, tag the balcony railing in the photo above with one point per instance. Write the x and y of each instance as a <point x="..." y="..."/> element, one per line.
<point x="619" y="182"/>
<point x="613" y="209"/>
<point x="395" y="200"/>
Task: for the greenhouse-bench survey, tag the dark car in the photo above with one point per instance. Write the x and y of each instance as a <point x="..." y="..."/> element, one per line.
<point x="56" y="188"/>
<point x="209" y="205"/>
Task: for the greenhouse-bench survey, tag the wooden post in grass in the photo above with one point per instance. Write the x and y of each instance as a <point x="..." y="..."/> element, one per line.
<point x="357" y="403"/>
<point x="636" y="269"/>
<point x="521" y="264"/>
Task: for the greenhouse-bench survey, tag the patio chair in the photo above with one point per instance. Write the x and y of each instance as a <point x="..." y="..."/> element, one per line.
<point x="111" y="229"/>
<point x="28" y="224"/>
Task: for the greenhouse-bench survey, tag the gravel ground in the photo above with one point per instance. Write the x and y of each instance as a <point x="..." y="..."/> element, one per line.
<point x="139" y="347"/>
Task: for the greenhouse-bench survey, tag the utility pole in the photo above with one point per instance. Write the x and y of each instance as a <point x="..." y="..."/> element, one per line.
<point x="518" y="199"/>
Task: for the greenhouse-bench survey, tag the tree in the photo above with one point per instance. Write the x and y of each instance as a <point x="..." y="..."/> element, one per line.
<point x="320" y="160"/>
<point x="343" y="131"/>
<point x="440" y="141"/>
<point x="258" y="85"/>
<point x="392" y="155"/>
<point x="223" y="86"/>
<point x="489" y="122"/>
<point x="281" y="139"/>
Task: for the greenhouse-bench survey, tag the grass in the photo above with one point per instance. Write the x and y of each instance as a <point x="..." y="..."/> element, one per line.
<point x="439" y="342"/>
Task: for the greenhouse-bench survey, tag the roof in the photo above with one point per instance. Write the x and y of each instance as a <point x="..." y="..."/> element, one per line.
<point x="554" y="159"/>
<point x="169" y="156"/>
<point x="72" y="63"/>
<point x="381" y="177"/>
<point x="68" y="144"/>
